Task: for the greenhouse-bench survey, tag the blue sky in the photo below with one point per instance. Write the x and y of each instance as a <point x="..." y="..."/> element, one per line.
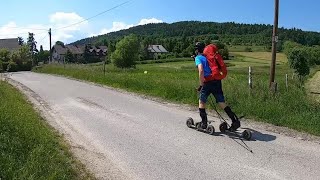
<point x="19" y="17"/>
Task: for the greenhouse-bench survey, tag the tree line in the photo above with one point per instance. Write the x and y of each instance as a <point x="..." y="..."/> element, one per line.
<point x="178" y="38"/>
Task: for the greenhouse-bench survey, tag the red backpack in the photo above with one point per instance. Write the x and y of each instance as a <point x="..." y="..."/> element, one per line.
<point x="216" y="63"/>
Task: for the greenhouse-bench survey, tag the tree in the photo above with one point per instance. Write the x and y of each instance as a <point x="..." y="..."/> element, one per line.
<point x="60" y="43"/>
<point x="4" y="55"/>
<point x="40" y="54"/>
<point x="86" y="54"/>
<point x="24" y="60"/>
<point x="127" y="52"/>
<point x="21" y="41"/>
<point x="69" y="57"/>
<point x="25" y="54"/>
<point x="15" y="57"/>
<point x="143" y="54"/>
<point x="289" y="45"/>
<point x="223" y="49"/>
<point x="297" y="58"/>
<point x="32" y="44"/>
<point x="1" y="66"/>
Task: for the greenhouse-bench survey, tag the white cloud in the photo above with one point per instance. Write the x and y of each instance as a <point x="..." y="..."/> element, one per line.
<point x="58" y="23"/>
<point x="116" y="26"/>
<point x="62" y="20"/>
<point x="65" y="27"/>
<point x="149" y="21"/>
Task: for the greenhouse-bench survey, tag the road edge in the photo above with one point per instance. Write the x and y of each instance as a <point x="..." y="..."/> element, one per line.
<point x="91" y="160"/>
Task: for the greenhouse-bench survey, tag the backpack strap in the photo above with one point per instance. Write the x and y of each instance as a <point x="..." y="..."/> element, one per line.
<point x="218" y="64"/>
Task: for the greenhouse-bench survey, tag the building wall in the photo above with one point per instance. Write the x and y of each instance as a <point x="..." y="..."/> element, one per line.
<point x="57" y="58"/>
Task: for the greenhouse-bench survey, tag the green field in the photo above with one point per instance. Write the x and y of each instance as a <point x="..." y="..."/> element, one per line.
<point x="241" y="48"/>
<point x="29" y="149"/>
<point x="177" y="81"/>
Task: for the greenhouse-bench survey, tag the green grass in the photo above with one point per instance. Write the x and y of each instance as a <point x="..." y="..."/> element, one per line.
<point x="29" y="149"/>
<point x="176" y="82"/>
<point x="241" y="48"/>
<point x="263" y="56"/>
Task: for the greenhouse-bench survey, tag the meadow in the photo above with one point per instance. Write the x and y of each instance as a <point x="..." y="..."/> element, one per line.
<point x="290" y="106"/>
<point x="29" y="148"/>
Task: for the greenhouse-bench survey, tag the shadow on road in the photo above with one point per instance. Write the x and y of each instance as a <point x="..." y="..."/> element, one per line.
<point x="256" y="135"/>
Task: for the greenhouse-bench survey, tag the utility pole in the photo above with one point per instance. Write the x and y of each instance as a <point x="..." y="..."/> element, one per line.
<point x="50" y="46"/>
<point x="272" y="84"/>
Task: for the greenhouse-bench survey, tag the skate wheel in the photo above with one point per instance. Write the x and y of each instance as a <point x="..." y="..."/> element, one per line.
<point x="190" y="122"/>
<point x="223" y="127"/>
<point x="198" y="126"/>
<point x="246" y="135"/>
<point x="210" y="130"/>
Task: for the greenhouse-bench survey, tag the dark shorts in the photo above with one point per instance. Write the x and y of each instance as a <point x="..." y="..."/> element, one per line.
<point x="212" y="87"/>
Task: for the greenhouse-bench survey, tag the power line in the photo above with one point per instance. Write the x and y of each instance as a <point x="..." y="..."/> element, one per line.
<point x="94" y="15"/>
<point x="39" y="42"/>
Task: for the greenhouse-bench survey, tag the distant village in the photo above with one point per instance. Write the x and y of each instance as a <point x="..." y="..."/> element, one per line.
<point x="59" y="51"/>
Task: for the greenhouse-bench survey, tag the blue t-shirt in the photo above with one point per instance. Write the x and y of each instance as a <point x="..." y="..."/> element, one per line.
<point x="200" y="59"/>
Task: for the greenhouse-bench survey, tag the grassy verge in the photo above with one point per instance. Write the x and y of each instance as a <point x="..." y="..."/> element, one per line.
<point x="176" y="82"/>
<point x="241" y="48"/>
<point x="29" y="149"/>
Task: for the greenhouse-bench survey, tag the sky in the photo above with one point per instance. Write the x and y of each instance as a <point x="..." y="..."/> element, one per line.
<point x="68" y="18"/>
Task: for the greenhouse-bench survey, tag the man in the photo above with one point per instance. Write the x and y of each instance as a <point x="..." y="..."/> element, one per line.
<point x="208" y="85"/>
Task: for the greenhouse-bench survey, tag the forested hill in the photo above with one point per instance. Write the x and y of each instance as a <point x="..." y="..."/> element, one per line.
<point x="182" y="33"/>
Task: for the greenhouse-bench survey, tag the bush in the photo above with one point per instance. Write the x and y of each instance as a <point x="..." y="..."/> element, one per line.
<point x="1" y="67"/>
<point x="248" y="49"/>
<point x="127" y="52"/>
<point x="107" y="60"/>
<point x="5" y="66"/>
<point x="313" y="55"/>
<point x="297" y="58"/>
<point x="12" y="67"/>
<point x="26" y="66"/>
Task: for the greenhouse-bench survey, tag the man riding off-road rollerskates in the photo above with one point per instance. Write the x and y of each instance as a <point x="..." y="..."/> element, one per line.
<point x="210" y="82"/>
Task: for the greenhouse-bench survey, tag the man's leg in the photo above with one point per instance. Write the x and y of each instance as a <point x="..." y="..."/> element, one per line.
<point x="202" y="107"/>
<point x="218" y="94"/>
<point x="235" y="120"/>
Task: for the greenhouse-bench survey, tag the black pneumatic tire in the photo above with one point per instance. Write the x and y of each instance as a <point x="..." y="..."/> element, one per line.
<point x="223" y="127"/>
<point x="190" y="122"/>
<point x="210" y="130"/>
<point x="246" y="135"/>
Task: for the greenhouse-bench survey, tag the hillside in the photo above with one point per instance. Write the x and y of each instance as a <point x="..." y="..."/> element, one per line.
<point x="177" y="37"/>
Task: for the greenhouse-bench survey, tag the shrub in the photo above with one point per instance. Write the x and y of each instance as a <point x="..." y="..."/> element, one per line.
<point x="1" y="67"/>
<point x="297" y="58"/>
<point x="248" y="49"/>
<point x="12" y="67"/>
<point x="127" y="52"/>
<point x="26" y="66"/>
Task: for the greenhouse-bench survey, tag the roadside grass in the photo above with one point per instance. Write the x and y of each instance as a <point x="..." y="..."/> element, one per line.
<point x="29" y="148"/>
<point x="313" y="85"/>
<point x="264" y="56"/>
<point x="241" y="48"/>
<point x="177" y="81"/>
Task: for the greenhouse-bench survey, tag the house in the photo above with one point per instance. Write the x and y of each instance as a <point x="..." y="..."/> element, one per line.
<point x="58" y="53"/>
<point x="11" y="44"/>
<point x="154" y="51"/>
<point x="78" y="51"/>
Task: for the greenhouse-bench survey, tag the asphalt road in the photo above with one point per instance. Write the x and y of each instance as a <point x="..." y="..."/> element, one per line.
<point x="145" y="139"/>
